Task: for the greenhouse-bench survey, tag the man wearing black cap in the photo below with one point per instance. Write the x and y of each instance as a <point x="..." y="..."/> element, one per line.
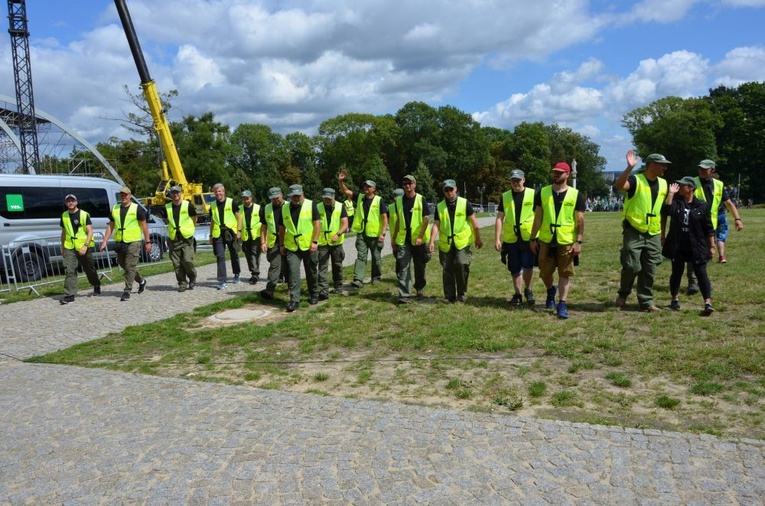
<point x="270" y="218"/>
<point x="128" y="222"/>
<point x="251" y="235"/>
<point x="691" y="238"/>
<point x="299" y="237"/>
<point x="181" y="225"/>
<point x="76" y="243"/>
<point x="641" y="228"/>
<point x="334" y="224"/>
<point x="512" y="233"/>
<point x="370" y="225"/>
<point x="410" y="237"/>
<point x="456" y="229"/>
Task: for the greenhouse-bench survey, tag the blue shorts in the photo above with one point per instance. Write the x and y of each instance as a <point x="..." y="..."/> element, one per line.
<point x="722" y="228"/>
<point x="519" y="256"/>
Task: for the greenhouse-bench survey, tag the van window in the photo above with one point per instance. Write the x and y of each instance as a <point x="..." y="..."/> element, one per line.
<point x="27" y="203"/>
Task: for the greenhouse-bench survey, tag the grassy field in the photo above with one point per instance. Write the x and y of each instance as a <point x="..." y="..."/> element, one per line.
<point x="668" y="370"/>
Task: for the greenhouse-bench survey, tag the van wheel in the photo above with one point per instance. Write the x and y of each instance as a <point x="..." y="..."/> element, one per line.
<point x="155" y="253"/>
<point x="28" y="266"/>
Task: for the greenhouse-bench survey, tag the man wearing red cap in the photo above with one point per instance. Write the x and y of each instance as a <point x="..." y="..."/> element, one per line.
<point x="556" y="236"/>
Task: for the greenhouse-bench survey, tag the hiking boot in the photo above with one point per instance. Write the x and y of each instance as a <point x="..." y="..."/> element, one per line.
<point x="708" y="309"/>
<point x="462" y="298"/>
<point x="313" y="301"/>
<point x="550" y="302"/>
<point x="692" y="290"/>
<point x="620" y="302"/>
<point x="254" y="279"/>
<point x="67" y="300"/>
<point x="97" y="291"/>
<point x="323" y="296"/>
<point x="292" y="306"/>
<point x="530" y="300"/>
<point x="517" y="300"/>
<point x="182" y="288"/>
<point x="674" y="305"/>
<point x="142" y="286"/>
<point x="125" y="296"/>
<point x="357" y="284"/>
<point x="192" y="284"/>
<point x="561" y="311"/>
<point x="267" y="294"/>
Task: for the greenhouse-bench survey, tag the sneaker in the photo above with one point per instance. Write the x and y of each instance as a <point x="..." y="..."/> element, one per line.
<point x="192" y="284"/>
<point x="708" y="309"/>
<point x="447" y="300"/>
<point x="125" y="296"/>
<point x="313" y="301"/>
<point x="674" y="305"/>
<point x="182" y="288"/>
<point x="722" y="260"/>
<point x="550" y="302"/>
<point x="67" y="300"/>
<point x="530" y="300"/>
<point x="221" y="285"/>
<point x="517" y="300"/>
<point x="357" y="284"/>
<point x="562" y="311"/>
<point x="620" y="302"/>
<point x="142" y="286"/>
<point x="692" y="290"/>
<point x="236" y="279"/>
<point x="97" y="291"/>
<point x="462" y="298"/>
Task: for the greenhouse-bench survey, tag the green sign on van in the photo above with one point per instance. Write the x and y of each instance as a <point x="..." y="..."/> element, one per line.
<point x="14" y="203"/>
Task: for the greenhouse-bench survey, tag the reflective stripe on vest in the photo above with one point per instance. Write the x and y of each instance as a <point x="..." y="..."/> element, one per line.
<point x="130" y="231"/>
<point x="186" y="226"/>
<point x="639" y="212"/>
<point x="417" y="221"/>
<point x="72" y="240"/>
<point x="371" y="224"/>
<point x="460" y="234"/>
<point x="229" y="219"/>
<point x="330" y="229"/>
<point x="509" y="228"/>
<point x="253" y="231"/>
<point x="298" y="237"/>
<point x="717" y="194"/>
<point x="564" y="225"/>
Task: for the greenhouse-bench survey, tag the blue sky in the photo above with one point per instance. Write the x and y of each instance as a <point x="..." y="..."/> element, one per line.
<point x="292" y="64"/>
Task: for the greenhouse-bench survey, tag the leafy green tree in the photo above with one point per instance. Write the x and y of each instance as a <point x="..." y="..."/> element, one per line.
<point x="134" y="161"/>
<point x="567" y="145"/>
<point x="202" y="145"/>
<point x="529" y="150"/>
<point x="681" y="129"/>
<point x="425" y="184"/>
<point x="262" y="155"/>
<point x="303" y="150"/>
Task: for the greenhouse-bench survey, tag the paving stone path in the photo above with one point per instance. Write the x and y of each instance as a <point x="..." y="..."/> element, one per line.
<point x="87" y="436"/>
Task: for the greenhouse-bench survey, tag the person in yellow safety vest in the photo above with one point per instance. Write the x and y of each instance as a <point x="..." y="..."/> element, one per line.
<point x="410" y="235"/>
<point x="334" y="225"/>
<point x="456" y="229"/>
<point x="76" y="243"/>
<point x="370" y="225"/>
<point x="642" y="229"/>
<point x="251" y="235"/>
<point x="512" y="234"/>
<point x="349" y="211"/>
<point x="392" y="217"/>
<point x="556" y="235"/>
<point x="710" y="189"/>
<point x="128" y="222"/>
<point x="270" y="217"/>
<point x="181" y="225"/>
<point x="299" y="233"/>
<point x="225" y="232"/>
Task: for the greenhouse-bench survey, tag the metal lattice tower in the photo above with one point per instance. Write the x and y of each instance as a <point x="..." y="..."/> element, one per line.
<point x="22" y="70"/>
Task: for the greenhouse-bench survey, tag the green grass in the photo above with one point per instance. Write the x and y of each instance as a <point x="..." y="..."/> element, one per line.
<point x="621" y="367"/>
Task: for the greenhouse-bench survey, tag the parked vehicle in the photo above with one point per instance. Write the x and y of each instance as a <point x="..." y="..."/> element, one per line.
<point x="31" y="207"/>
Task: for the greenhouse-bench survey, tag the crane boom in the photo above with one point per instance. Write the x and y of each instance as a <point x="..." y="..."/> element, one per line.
<point x="176" y="175"/>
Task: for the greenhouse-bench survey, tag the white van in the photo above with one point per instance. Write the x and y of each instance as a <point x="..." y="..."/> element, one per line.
<point x="31" y="207"/>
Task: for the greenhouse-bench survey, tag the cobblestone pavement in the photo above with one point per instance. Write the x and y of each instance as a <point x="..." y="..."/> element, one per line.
<point x="87" y="436"/>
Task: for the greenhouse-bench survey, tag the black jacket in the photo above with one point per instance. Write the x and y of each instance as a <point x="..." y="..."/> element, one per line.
<point x="697" y="230"/>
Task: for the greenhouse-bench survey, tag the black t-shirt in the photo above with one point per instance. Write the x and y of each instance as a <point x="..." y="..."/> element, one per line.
<point x="328" y="211"/>
<point x="75" y="219"/>
<point x="558" y="199"/>
<point x="653" y="185"/>
<point x="140" y="214"/>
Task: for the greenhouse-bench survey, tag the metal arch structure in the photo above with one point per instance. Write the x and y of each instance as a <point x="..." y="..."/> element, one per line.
<point x="58" y="143"/>
<point x="22" y="70"/>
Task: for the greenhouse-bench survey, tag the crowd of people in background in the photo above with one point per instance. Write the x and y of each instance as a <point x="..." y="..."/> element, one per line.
<point x="682" y="220"/>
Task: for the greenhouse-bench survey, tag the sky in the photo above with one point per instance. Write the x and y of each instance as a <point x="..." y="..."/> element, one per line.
<point x="292" y="64"/>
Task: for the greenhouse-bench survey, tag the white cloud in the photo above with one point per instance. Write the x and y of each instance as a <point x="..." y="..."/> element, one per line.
<point x="741" y="65"/>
